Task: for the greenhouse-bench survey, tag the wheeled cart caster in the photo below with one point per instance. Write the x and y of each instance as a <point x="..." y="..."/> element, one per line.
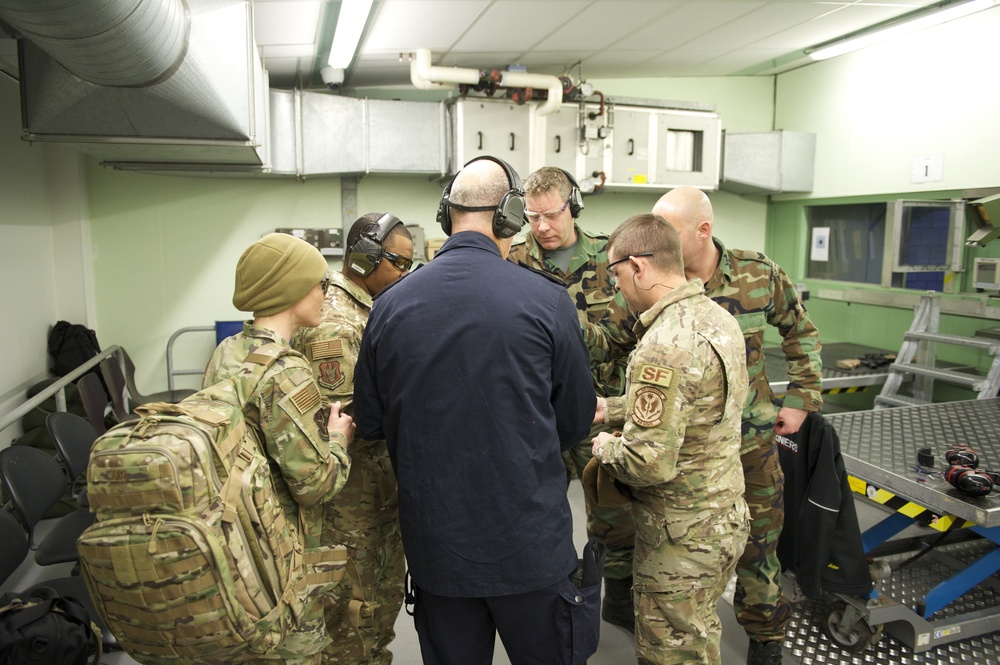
<point x="846" y="627"/>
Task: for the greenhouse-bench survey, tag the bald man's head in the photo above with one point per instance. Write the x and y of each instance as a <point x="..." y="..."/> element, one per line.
<point x="688" y="210"/>
<point x="481" y="183"/>
<point x="684" y="206"/>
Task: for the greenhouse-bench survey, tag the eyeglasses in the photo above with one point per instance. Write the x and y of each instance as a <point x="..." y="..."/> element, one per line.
<point x="613" y="273"/>
<point x="324" y="284"/>
<point x="401" y="263"/>
<point x="549" y="215"/>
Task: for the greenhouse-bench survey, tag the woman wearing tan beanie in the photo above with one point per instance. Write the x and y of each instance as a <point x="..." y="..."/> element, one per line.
<point x="282" y="280"/>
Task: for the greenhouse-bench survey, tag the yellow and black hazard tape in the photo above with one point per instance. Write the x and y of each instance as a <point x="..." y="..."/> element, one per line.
<point x="844" y="391"/>
<point x="912" y="510"/>
<point x="834" y="391"/>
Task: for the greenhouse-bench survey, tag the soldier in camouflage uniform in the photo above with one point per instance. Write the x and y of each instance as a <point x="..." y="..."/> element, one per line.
<point x="757" y="292"/>
<point x="678" y="452"/>
<point x="365" y="516"/>
<point x="281" y="279"/>
<point x="560" y="248"/>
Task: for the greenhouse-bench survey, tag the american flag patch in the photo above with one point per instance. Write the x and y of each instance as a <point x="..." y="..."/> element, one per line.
<point x="327" y="348"/>
<point x="306" y="397"/>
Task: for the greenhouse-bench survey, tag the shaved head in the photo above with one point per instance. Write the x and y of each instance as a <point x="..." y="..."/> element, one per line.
<point x="688" y="210"/>
<point x="684" y="205"/>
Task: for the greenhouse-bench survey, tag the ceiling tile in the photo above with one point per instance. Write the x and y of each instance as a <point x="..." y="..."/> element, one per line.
<point x="503" y="25"/>
<point x="408" y="25"/>
<point x="288" y="22"/>
<point x="607" y="22"/>
<point x="832" y="24"/>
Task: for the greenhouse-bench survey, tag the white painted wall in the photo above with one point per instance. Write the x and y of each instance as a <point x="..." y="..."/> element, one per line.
<point x="44" y="254"/>
<point x="933" y="92"/>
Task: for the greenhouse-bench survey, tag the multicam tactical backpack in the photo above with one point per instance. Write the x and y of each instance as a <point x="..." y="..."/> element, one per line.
<point x="191" y="558"/>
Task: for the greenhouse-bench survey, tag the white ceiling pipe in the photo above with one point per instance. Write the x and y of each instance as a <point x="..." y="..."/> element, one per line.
<point x="425" y="77"/>
<point x="524" y="80"/>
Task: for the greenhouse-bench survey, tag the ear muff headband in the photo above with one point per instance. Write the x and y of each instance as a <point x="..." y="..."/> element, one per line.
<point x="365" y="254"/>
<point x="508" y="216"/>
<point x="575" y="197"/>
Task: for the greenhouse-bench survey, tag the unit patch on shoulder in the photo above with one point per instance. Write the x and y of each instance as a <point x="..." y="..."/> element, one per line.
<point x="648" y="406"/>
<point x="330" y="374"/>
<point x="305" y="397"/>
<point x="326" y="348"/>
<point x="658" y="376"/>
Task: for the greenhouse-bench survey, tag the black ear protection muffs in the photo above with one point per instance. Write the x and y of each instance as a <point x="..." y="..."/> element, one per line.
<point x="962" y="456"/>
<point x="365" y="254"/>
<point x="969" y="481"/>
<point x="964" y="475"/>
<point x="575" y="197"/>
<point x="508" y="215"/>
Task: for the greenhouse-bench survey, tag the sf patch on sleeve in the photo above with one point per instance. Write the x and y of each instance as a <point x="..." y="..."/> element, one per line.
<point x="648" y="403"/>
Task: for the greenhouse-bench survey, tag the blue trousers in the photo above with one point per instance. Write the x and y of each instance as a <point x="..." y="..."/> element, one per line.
<point x="557" y="625"/>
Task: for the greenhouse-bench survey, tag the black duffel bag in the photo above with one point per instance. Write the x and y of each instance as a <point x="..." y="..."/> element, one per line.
<point x="45" y="628"/>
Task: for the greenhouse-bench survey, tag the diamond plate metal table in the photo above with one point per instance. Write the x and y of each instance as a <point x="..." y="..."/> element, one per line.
<point x="933" y="608"/>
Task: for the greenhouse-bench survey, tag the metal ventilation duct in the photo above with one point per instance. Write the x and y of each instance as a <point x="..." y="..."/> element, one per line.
<point x="118" y="42"/>
<point x="143" y="81"/>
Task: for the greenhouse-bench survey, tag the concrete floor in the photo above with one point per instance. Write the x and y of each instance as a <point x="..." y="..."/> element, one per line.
<point x="616" y="646"/>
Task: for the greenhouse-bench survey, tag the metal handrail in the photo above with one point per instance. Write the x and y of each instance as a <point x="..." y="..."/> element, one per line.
<point x="58" y="388"/>
<point x="171" y="372"/>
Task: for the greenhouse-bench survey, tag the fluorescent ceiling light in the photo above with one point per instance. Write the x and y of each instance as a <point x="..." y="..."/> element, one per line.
<point x="904" y="26"/>
<point x="350" y="25"/>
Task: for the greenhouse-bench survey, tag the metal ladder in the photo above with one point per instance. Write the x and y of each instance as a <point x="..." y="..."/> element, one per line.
<point x="917" y="356"/>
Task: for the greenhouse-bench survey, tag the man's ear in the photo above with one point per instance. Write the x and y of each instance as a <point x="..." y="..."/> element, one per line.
<point x="704" y="229"/>
<point x="640" y="267"/>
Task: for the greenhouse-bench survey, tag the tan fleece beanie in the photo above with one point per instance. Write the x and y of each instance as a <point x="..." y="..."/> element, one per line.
<point x="276" y="272"/>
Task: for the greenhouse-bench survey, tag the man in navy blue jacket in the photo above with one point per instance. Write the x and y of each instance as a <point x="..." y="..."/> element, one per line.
<point x="475" y="372"/>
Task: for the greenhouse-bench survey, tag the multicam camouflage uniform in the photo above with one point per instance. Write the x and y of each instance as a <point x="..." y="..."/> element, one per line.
<point x="286" y="406"/>
<point x="757" y="292"/>
<point x="589" y="285"/>
<point x="679" y="454"/>
<point x="365" y="516"/>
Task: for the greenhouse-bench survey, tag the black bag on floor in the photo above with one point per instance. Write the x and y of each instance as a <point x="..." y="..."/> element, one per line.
<point x="44" y="628"/>
<point x="71" y="345"/>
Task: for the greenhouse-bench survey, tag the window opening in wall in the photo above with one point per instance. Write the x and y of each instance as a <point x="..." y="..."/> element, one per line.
<point x="905" y="244"/>
<point x="923" y="242"/>
<point x="927" y="241"/>
<point x="856" y="237"/>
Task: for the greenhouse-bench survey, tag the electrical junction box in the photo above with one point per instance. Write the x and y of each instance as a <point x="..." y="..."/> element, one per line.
<point x="986" y="274"/>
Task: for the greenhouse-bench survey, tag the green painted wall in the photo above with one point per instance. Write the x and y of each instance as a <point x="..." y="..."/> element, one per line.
<point x="165" y="247"/>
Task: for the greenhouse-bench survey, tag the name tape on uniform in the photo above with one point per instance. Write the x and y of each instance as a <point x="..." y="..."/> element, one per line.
<point x="658" y="376"/>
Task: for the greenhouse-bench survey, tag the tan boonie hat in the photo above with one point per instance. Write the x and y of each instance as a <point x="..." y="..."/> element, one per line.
<point x="600" y="487"/>
<point x="276" y="272"/>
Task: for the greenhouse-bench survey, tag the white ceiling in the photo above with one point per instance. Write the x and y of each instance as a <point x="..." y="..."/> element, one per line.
<point x="608" y="38"/>
<point x="587" y="38"/>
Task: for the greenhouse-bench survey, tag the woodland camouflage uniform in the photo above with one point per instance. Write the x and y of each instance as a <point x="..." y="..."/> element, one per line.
<point x="308" y="465"/>
<point x="365" y="515"/>
<point x="589" y="285"/>
<point x="758" y="293"/>
<point x="679" y="455"/>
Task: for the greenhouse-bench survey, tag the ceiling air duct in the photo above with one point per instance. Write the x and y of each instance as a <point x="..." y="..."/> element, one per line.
<point x="143" y="82"/>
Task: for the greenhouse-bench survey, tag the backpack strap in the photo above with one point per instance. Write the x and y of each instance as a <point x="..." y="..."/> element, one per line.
<point x="356" y="603"/>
